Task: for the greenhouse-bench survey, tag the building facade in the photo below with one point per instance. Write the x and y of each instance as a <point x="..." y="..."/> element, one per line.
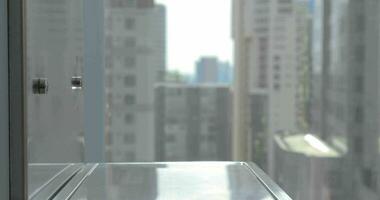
<point x="309" y="169"/>
<point x="192" y="122"/>
<point x="345" y="108"/>
<point x="212" y="70"/>
<point x="135" y="61"/>
<point x="274" y="53"/>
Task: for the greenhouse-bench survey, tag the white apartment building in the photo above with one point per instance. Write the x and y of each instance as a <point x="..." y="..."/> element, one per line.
<point x="272" y="36"/>
<point x="135" y="60"/>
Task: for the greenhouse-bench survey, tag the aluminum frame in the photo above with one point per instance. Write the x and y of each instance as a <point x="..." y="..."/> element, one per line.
<point x="17" y="107"/>
<point x="4" y="103"/>
<point x="93" y="78"/>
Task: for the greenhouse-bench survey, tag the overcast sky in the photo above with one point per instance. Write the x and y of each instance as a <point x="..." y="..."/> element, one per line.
<point x="197" y="28"/>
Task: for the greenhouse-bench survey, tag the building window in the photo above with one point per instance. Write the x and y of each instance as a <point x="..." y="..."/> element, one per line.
<point x="110" y="138"/>
<point x="360" y="22"/>
<point x="108" y="41"/>
<point x="211" y="137"/>
<point x="285" y="10"/>
<point x="261" y="29"/>
<point x="359" y="115"/>
<point x="117" y="41"/>
<point x="130" y="23"/>
<point x="212" y="128"/>
<point x="276" y="86"/>
<point x="358" y="145"/>
<point x="170" y="138"/>
<point x="359" y="53"/>
<point x="263" y="58"/>
<point x="130" y="62"/>
<point x="276" y="77"/>
<point x="130" y="81"/>
<point x="129" y="138"/>
<point x="109" y="81"/>
<point x="263" y="42"/>
<point x="284" y="1"/>
<point x="122" y="3"/>
<point x="108" y="61"/>
<point x="179" y="91"/>
<point x="129" y="99"/>
<point x="109" y="98"/>
<point x="130" y="156"/>
<point x="130" y="42"/>
<point x="131" y="2"/>
<point x="359" y="84"/>
<point x="263" y="68"/>
<point x="369" y="178"/>
<point x="263" y="79"/>
<point x="129" y="118"/>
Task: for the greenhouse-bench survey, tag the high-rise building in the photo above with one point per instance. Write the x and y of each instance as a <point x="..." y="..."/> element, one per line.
<point x="225" y="74"/>
<point x="135" y="61"/>
<point x="345" y="100"/>
<point x="207" y="70"/>
<point x="271" y="45"/>
<point x="240" y="121"/>
<point x="192" y="122"/>
<point x="310" y="167"/>
<point x="212" y="70"/>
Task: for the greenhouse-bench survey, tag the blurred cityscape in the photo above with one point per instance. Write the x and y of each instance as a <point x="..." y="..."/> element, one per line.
<point x="303" y="104"/>
<point x="300" y="99"/>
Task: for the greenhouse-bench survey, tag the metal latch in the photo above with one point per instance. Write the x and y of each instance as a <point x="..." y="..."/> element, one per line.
<point x="40" y="86"/>
<point x="76" y="82"/>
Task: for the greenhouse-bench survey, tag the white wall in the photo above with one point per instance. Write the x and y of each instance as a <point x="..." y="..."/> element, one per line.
<point x="4" y="130"/>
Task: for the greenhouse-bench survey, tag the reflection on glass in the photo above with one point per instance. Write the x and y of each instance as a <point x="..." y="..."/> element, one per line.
<point x="295" y="81"/>
<point x="54" y="52"/>
<point x="54" y="49"/>
<point x="135" y="39"/>
<point x="172" y="181"/>
<point x="39" y="176"/>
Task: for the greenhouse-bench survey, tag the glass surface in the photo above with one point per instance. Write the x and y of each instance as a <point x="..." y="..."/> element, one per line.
<point x="172" y="181"/>
<point x="39" y="175"/>
<point x="54" y="50"/>
<point x="54" y="53"/>
<point x="291" y="85"/>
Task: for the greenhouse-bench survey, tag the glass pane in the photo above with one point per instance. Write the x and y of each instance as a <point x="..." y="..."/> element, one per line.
<point x="192" y="180"/>
<point x="302" y="105"/>
<point x="54" y="41"/>
<point x="169" y="80"/>
<point x="291" y="85"/>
